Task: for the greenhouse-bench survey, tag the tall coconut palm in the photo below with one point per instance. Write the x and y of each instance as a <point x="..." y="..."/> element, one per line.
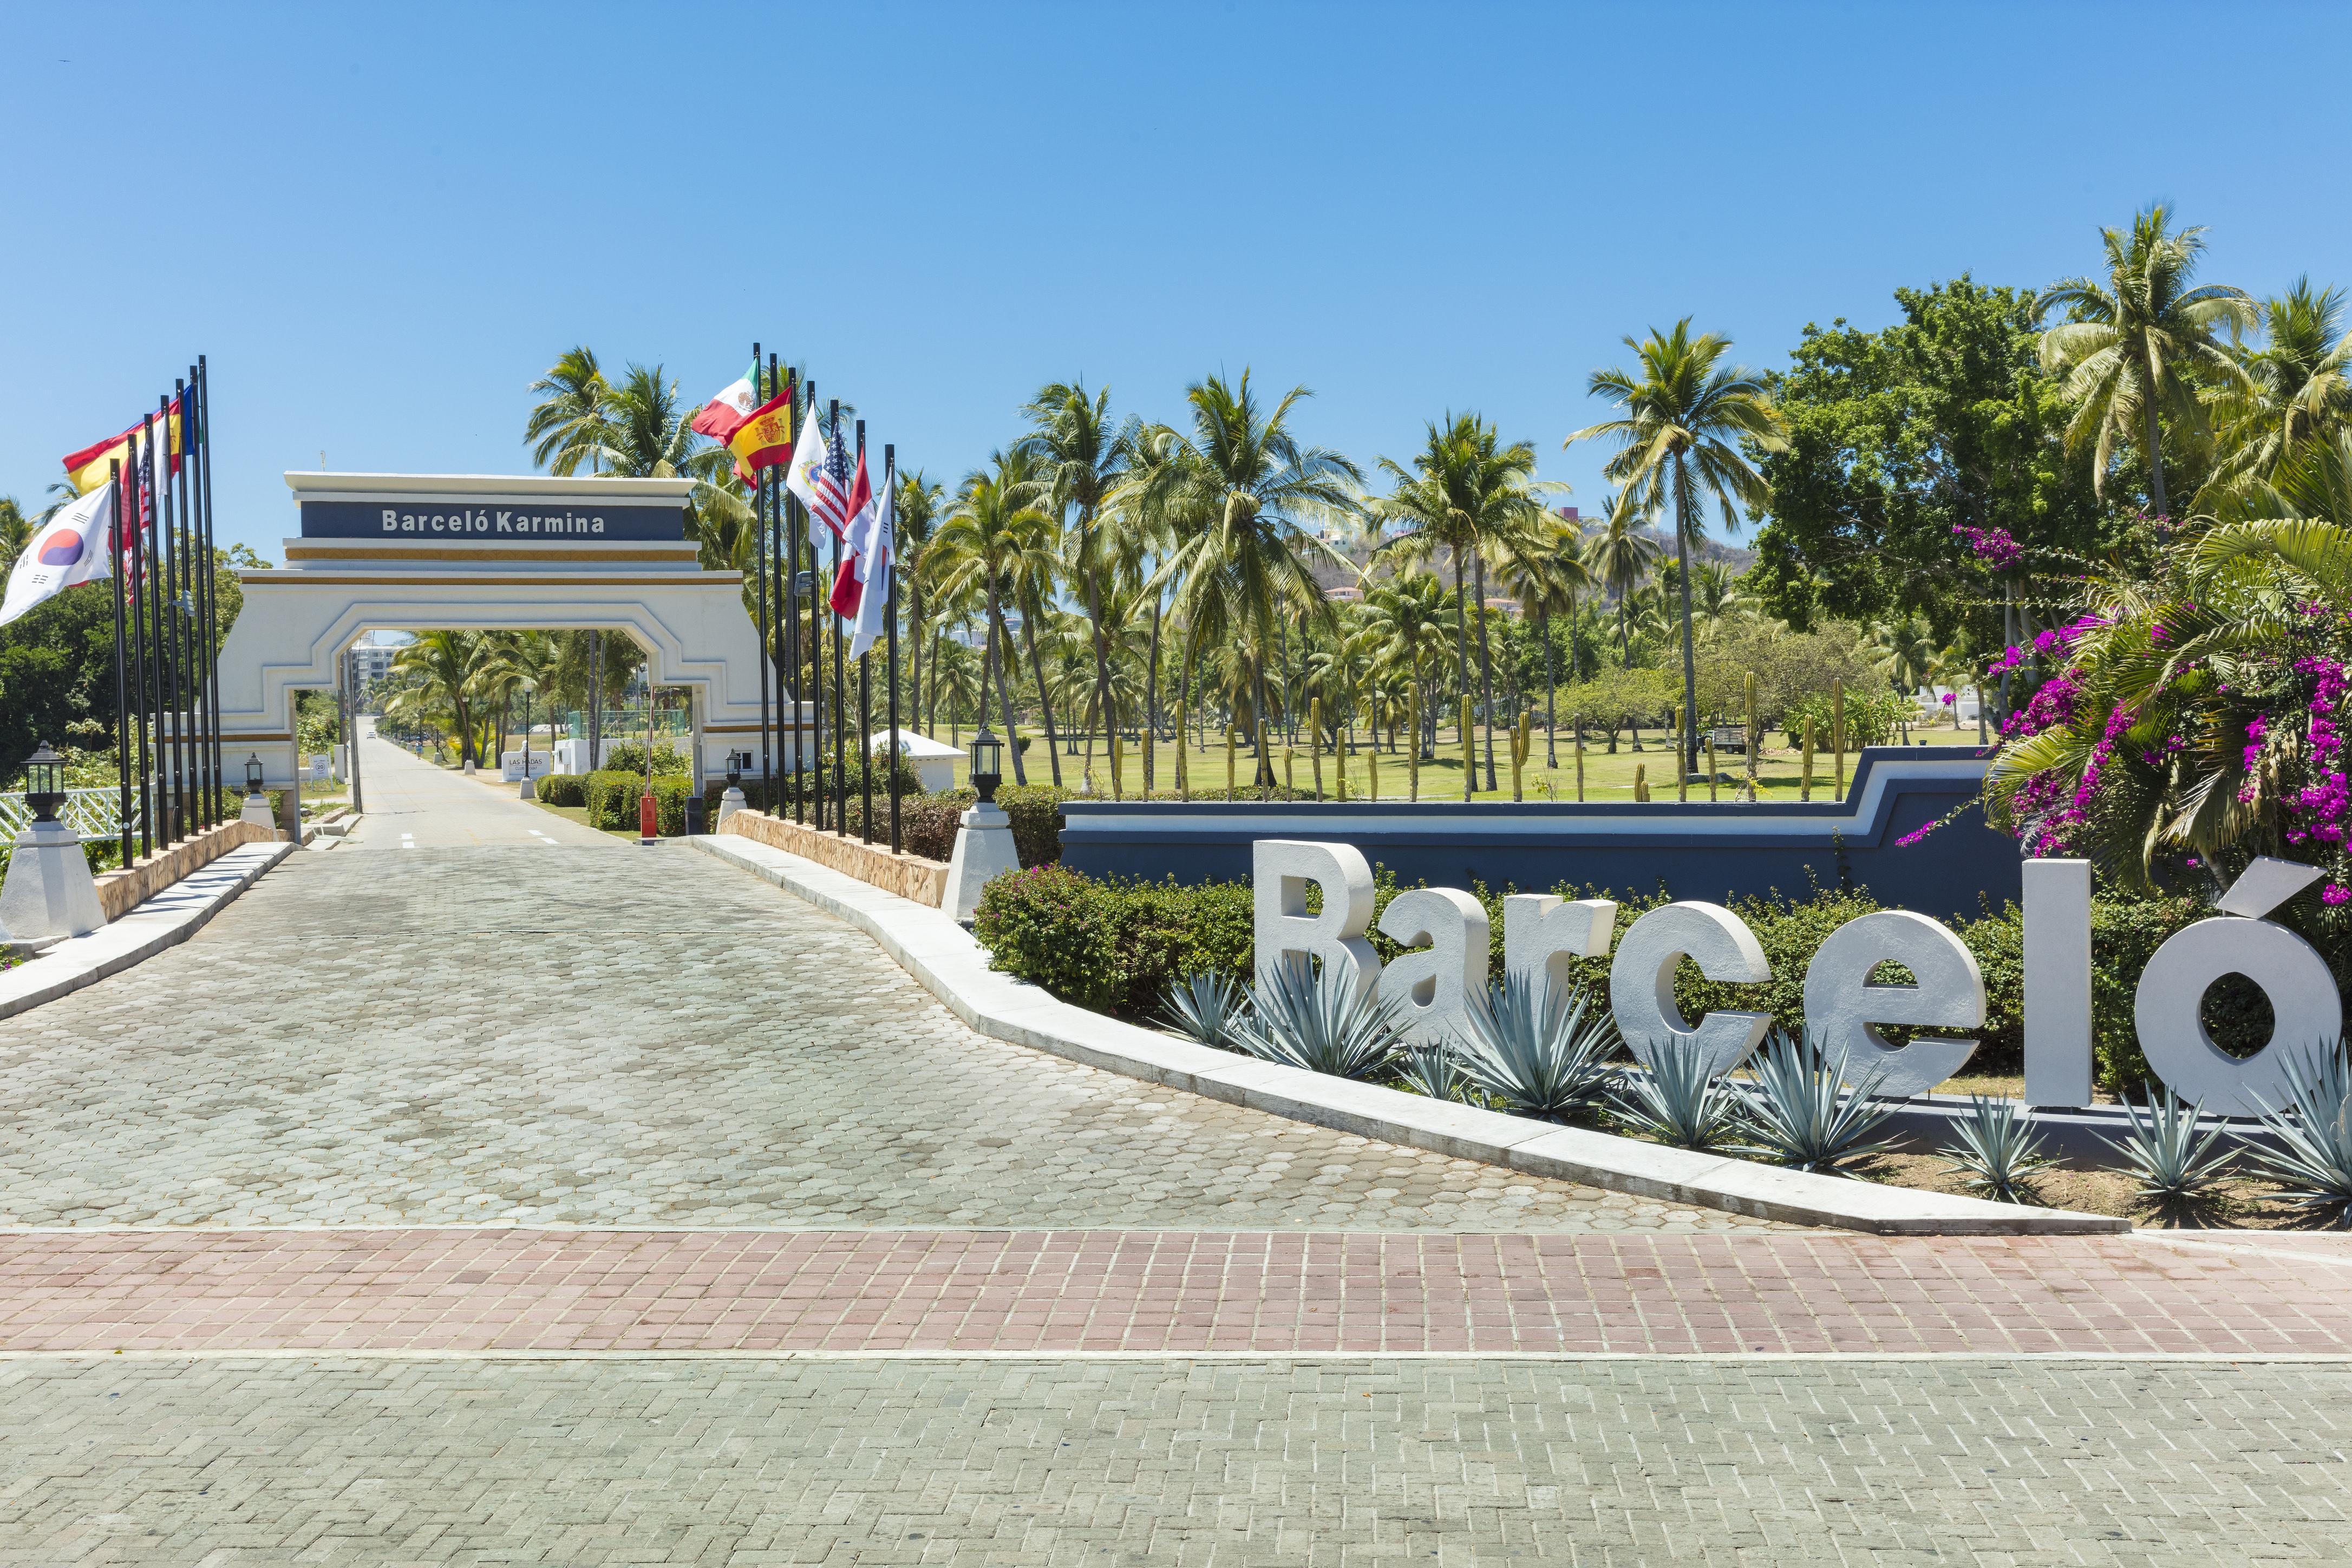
<point x="2297" y="388"/>
<point x="1238" y="495"/>
<point x="1472" y="496"/>
<point x="1549" y="582"/>
<point x="991" y="533"/>
<point x="1079" y="456"/>
<point x="565" y="431"/>
<point x="1621" y="554"/>
<point x="1407" y="614"/>
<point x="2132" y="343"/>
<point x="443" y="665"/>
<point x="1683" y="414"/>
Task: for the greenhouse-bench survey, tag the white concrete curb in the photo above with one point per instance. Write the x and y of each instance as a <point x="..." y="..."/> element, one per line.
<point x="953" y="967"/>
<point x="170" y="917"/>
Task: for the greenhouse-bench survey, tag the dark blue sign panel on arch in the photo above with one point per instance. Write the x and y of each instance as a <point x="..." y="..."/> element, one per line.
<point x="502" y="518"/>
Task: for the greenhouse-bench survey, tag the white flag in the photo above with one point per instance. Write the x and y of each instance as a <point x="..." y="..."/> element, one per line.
<point x="811" y="477"/>
<point x="870" y="537"/>
<point x="70" y="548"/>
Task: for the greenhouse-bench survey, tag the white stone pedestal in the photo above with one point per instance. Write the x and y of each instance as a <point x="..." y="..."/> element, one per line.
<point x="50" y="892"/>
<point x="529" y="787"/>
<point x="729" y="804"/>
<point x="983" y="848"/>
<point x="257" y="811"/>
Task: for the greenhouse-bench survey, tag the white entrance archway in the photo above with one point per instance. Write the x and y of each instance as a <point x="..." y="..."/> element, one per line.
<point x="412" y="551"/>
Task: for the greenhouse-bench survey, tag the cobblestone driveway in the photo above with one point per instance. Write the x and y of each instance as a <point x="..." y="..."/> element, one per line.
<point x="521" y="1021"/>
<point x="1044" y="1463"/>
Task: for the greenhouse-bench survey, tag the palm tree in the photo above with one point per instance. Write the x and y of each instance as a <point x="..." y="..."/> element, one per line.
<point x="993" y="528"/>
<point x="1621" y="554"/>
<point x="566" y="428"/>
<point x="1682" y="417"/>
<point x="2297" y="387"/>
<point x="1236" y="495"/>
<point x="1552" y="582"/>
<point x="1079" y="457"/>
<point x="444" y="664"/>
<point x="1407" y="614"/>
<point x="2131" y="343"/>
<point x="1472" y="496"/>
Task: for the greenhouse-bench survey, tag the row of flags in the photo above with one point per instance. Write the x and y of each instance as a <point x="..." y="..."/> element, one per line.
<point x="760" y="436"/>
<point x="74" y="546"/>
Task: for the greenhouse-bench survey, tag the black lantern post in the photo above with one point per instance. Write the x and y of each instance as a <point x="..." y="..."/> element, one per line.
<point x="252" y="774"/>
<point x="45" y="783"/>
<point x="987" y="764"/>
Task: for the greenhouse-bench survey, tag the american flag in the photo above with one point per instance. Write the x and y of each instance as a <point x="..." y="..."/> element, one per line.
<point x="832" y="504"/>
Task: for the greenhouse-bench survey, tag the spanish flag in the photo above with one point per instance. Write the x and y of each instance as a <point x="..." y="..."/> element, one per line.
<point x="86" y="470"/>
<point x="764" y="440"/>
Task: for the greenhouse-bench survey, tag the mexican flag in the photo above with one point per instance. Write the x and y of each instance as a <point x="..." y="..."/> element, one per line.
<point x="724" y="414"/>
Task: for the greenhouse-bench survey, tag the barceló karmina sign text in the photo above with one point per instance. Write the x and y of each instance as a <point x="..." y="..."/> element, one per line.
<point x="508" y="518"/>
<point x="1447" y="935"/>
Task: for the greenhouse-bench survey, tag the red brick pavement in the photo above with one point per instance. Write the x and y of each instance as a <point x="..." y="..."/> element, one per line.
<point x="469" y="1289"/>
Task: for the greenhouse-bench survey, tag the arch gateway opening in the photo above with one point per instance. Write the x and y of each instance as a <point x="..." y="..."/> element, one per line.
<point x="487" y="552"/>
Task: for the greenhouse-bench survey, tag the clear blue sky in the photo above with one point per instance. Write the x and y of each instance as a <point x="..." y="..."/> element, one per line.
<point x="382" y="222"/>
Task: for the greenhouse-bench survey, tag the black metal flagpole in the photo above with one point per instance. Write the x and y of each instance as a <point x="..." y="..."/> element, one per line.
<point x="201" y="808"/>
<point x="817" y="650"/>
<point x="759" y="567"/>
<point x="141" y="592"/>
<point x="121" y="676"/>
<point x="823" y="598"/>
<point x="204" y="384"/>
<point x="864" y="709"/>
<point x="789" y="683"/>
<point x="174" y="660"/>
<point x="890" y="623"/>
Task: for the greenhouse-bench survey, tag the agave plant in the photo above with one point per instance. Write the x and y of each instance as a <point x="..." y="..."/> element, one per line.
<point x="2000" y="1152"/>
<point x="2174" y="1164"/>
<point x="1540" y="1053"/>
<point x="1319" y="1023"/>
<point x="1678" y="1101"/>
<point x="2314" y="1160"/>
<point x="1204" y="1006"/>
<point x="1797" y="1111"/>
<point x="1431" y="1070"/>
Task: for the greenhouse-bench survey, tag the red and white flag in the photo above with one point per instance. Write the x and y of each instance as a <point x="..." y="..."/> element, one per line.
<point x="861" y="594"/>
<point x="724" y="414"/>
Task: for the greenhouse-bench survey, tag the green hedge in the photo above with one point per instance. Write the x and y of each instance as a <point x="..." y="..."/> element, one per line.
<point x="611" y="799"/>
<point x="563" y="789"/>
<point x="1114" y="944"/>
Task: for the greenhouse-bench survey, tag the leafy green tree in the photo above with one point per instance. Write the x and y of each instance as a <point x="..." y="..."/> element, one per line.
<point x="1683" y="413"/>
<point x="1943" y="421"/>
<point x="2132" y="346"/>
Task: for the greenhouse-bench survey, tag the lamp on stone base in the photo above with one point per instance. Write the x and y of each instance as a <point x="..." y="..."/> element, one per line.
<point x="256" y="804"/>
<point x="983" y="846"/>
<point x="732" y="801"/>
<point x="49" y="893"/>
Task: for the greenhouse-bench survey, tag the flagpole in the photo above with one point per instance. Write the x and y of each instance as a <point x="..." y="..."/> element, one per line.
<point x="175" y="815"/>
<point x="821" y="598"/>
<point x="201" y="781"/>
<point x="864" y="709"/>
<point x="816" y="655"/>
<point x="787" y="652"/>
<point x="140" y="594"/>
<point x="779" y="381"/>
<point x="121" y="680"/>
<point x="759" y="567"/>
<point x="890" y="624"/>
<point x="204" y="445"/>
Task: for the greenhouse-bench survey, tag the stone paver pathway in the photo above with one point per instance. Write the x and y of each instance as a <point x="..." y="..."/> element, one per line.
<point x="489" y="1189"/>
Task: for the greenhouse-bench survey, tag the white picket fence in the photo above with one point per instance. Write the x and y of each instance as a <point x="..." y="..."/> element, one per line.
<point x="93" y="813"/>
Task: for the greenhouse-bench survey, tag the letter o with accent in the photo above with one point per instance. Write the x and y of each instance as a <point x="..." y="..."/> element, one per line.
<point x="2308" y="1010"/>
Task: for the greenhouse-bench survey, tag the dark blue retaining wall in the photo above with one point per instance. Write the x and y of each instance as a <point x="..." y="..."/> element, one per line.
<point x="1696" y="851"/>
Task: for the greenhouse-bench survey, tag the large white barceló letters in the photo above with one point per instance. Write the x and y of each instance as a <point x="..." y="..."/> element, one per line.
<point x="2057" y="1000"/>
<point x="1432" y="984"/>
<point x="2309" y="1013"/>
<point x="1280" y="871"/>
<point x="1543" y="935"/>
<point x="1843" y="1008"/>
<point x="1642" y="982"/>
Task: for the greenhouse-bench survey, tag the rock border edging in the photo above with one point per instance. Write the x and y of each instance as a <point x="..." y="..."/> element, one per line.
<point x="950" y="963"/>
